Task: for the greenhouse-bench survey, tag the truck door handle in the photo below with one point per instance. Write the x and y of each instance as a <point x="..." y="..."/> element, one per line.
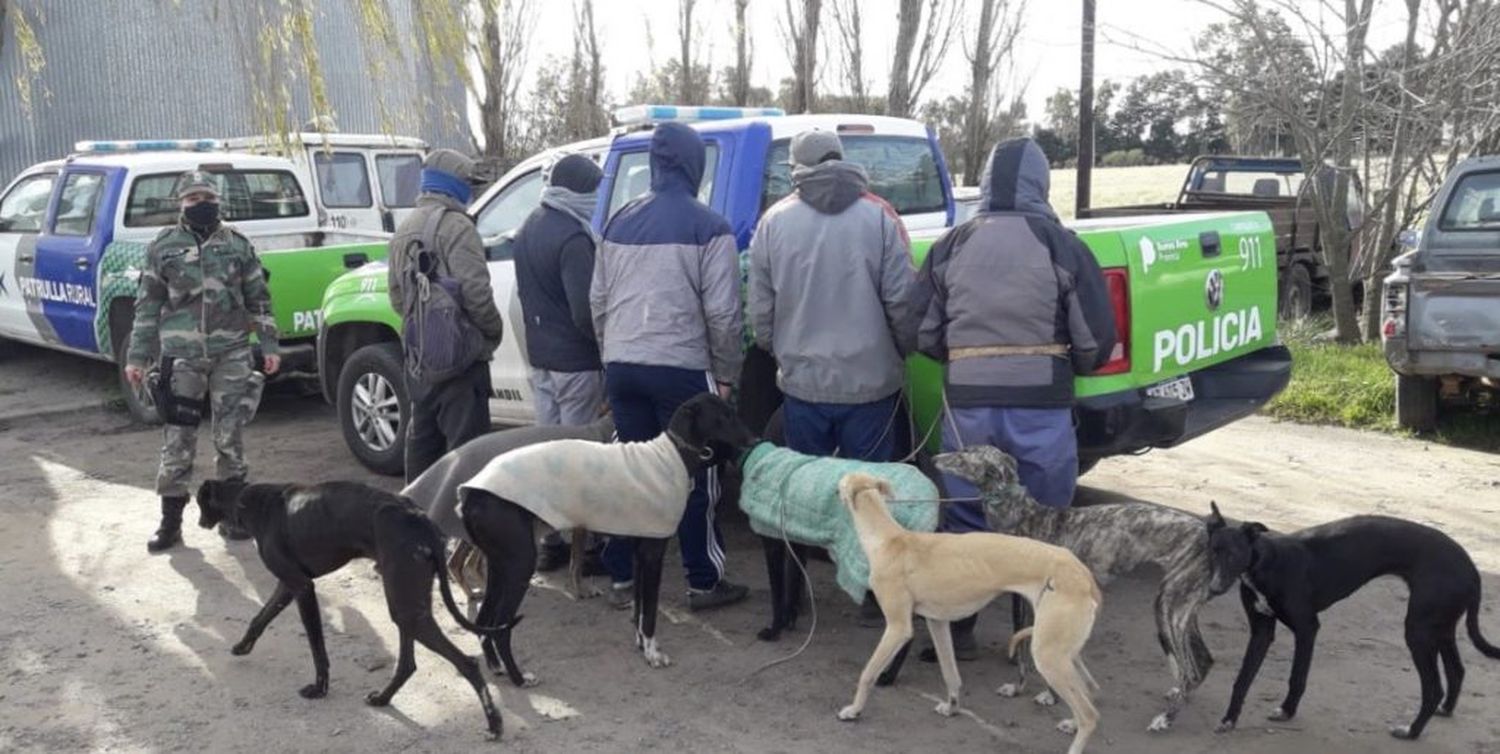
<point x="25" y="257"/>
<point x="1208" y="241"/>
<point x="82" y="263"/>
<point x="352" y="261"/>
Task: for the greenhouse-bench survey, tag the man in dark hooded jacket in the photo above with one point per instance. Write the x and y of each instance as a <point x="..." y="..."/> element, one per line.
<point x="554" y="259"/>
<point x="832" y="297"/>
<point x="1016" y="306"/>
<point x="666" y="305"/>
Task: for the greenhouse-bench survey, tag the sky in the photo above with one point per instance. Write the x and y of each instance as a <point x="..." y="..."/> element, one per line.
<point x="1047" y="55"/>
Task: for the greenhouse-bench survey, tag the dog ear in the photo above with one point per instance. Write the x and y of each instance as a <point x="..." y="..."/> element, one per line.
<point x="1253" y="529"/>
<point x="1215" y="518"/>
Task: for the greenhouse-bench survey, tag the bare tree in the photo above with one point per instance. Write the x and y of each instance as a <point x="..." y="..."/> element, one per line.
<point x="740" y="82"/>
<point x="994" y="40"/>
<point x="850" y="39"/>
<point x="686" y="91"/>
<point x="586" y="40"/>
<point x="908" y="77"/>
<point x="799" y="30"/>
<point x="502" y="46"/>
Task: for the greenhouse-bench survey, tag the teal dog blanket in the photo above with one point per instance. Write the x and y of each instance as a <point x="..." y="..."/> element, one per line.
<point x="788" y="494"/>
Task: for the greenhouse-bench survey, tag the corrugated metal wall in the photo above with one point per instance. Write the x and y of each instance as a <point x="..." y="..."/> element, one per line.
<point x="135" y="69"/>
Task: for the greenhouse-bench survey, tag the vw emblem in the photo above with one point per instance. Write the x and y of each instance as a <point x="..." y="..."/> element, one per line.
<point x="1214" y="290"/>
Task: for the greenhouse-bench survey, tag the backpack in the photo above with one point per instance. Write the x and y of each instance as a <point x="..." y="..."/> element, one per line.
<point x="439" y="341"/>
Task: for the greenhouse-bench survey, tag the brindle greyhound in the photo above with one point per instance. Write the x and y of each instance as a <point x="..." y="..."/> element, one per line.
<point x="1111" y="540"/>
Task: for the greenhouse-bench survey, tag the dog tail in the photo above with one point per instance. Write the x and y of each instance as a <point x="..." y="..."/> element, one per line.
<point x="435" y="551"/>
<point x="1016" y="639"/>
<point x="1489" y="650"/>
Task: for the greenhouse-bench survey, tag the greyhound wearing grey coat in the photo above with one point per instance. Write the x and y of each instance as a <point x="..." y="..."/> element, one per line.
<point x="1111" y="540"/>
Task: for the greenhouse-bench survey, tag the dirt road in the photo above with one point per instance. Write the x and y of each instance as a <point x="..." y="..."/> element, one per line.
<point x="104" y="647"/>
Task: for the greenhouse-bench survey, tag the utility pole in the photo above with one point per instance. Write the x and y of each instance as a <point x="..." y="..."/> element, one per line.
<point x="1086" y="116"/>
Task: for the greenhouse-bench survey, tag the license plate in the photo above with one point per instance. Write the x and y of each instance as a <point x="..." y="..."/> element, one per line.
<point x="1180" y="389"/>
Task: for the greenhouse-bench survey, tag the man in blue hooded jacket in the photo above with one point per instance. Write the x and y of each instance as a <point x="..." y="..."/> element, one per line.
<point x="1016" y="306"/>
<point x="665" y="299"/>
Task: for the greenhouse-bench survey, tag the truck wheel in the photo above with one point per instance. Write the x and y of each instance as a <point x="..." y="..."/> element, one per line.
<point x="138" y="399"/>
<point x="373" y="407"/>
<point x="1296" y="293"/>
<point x="1416" y="403"/>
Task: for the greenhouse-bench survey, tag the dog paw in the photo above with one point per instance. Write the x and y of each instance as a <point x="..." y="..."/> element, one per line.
<point x="1172" y="693"/>
<point x="1045" y="699"/>
<point x="849" y="714"/>
<point x="768" y="634"/>
<point x="377" y="699"/>
<point x="947" y="709"/>
<point x="241" y="649"/>
<point x="1403" y="732"/>
<point x="1068" y="726"/>
<point x="314" y="691"/>
<point x="529" y="680"/>
<point x="1009" y="690"/>
<point x="1443" y="712"/>
<point x="1279" y="716"/>
<point x="1160" y="724"/>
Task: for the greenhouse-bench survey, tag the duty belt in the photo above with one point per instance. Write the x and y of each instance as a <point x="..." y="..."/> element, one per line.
<point x="979" y="352"/>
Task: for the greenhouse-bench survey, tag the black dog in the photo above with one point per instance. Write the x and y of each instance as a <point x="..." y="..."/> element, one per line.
<point x="305" y="532"/>
<point x="703" y="431"/>
<point x="1294" y="577"/>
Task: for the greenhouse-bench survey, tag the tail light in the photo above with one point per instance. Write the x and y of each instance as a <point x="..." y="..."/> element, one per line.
<point x="1118" y="282"/>
<point x="1393" y="319"/>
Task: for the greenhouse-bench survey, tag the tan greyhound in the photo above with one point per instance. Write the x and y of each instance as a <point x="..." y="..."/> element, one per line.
<point x="944" y="577"/>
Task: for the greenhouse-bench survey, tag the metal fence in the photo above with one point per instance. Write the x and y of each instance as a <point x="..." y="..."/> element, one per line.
<point x="135" y="69"/>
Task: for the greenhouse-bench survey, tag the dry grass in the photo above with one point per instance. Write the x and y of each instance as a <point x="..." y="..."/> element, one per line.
<point x="1113" y="187"/>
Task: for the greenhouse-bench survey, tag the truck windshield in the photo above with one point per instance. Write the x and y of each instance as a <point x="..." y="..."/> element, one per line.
<point x="901" y="168"/>
<point x="1474" y="204"/>
<point x="248" y="195"/>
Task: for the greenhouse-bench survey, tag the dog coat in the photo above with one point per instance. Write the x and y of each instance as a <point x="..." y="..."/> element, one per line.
<point x="796" y="496"/>
<point x="633" y="489"/>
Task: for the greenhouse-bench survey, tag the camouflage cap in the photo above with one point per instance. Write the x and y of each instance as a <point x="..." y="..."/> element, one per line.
<point x="197" y="181"/>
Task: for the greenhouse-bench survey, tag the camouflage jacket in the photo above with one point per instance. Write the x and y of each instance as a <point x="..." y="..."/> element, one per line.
<point x="200" y="300"/>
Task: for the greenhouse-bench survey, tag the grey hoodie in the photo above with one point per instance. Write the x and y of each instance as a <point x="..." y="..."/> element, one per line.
<point x="832" y="288"/>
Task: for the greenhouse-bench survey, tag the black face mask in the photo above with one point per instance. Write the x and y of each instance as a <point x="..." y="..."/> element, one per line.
<point x="202" y="214"/>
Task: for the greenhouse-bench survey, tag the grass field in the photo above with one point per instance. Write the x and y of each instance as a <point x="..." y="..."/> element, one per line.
<point x="1114" y="187"/>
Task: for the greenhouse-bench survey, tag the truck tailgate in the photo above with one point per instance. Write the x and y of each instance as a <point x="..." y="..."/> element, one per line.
<point x="1454" y="311"/>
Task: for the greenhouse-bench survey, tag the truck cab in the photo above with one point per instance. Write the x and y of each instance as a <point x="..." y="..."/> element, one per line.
<point x="74" y="234"/>
<point x="1440" y="324"/>
<point x="365" y="182"/>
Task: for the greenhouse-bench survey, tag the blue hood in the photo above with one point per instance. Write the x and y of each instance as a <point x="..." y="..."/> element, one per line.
<point x="677" y="159"/>
<point x="1017" y="179"/>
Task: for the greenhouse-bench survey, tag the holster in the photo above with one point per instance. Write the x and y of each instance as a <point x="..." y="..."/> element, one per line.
<point x="172" y="406"/>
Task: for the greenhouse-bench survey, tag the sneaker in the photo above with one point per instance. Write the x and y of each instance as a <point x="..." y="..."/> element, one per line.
<point x="552" y="557"/>
<point x="621" y="595"/>
<point x="233" y="533"/>
<point x="723" y="593"/>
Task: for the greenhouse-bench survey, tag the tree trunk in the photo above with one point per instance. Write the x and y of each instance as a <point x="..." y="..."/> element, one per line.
<point x="908" y="22"/>
<point x="804" y="54"/>
<point x="1381" y="250"/>
<point x="977" y="119"/>
<point x="685" y="93"/>
<point x="741" y="87"/>
<point x="492" y="111"/>
<point x="1335" y="230"/>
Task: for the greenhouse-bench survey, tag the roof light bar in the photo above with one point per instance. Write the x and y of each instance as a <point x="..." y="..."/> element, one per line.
<point x="147" y="145"/>
<point x="642" y="114"/>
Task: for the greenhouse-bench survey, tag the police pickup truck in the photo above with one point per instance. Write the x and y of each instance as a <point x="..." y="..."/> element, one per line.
<point x="1197" y="323"/>
<point x="74" y="232"/>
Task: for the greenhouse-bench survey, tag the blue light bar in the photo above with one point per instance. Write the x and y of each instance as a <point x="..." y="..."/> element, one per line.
<point x="147" y="145"/>
<point x="641" y="114"/>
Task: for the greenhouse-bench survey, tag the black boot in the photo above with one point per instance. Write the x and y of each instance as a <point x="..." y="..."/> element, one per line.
<point x="169" y="534"/>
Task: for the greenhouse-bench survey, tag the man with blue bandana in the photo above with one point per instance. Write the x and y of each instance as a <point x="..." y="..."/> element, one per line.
<point x="446" y="415"/>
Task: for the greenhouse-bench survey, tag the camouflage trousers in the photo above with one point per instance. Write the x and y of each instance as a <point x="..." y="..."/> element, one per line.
<point x="233" y="391"/>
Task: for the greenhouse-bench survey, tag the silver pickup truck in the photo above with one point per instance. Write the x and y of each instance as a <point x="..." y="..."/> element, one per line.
<point x="1441" y="311"/>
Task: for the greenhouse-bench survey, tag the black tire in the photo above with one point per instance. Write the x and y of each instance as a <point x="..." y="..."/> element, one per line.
<point x="137" y="398"/>
<point x="1416" y="403"/>
<point x="1296" y="293"/>
<point x="374" y="429"/>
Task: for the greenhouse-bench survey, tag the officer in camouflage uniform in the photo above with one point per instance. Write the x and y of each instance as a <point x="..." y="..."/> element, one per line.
<point x="202" y="291"/>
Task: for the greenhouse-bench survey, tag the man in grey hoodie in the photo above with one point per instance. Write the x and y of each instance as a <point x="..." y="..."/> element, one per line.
<point x="832" y="298"/>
